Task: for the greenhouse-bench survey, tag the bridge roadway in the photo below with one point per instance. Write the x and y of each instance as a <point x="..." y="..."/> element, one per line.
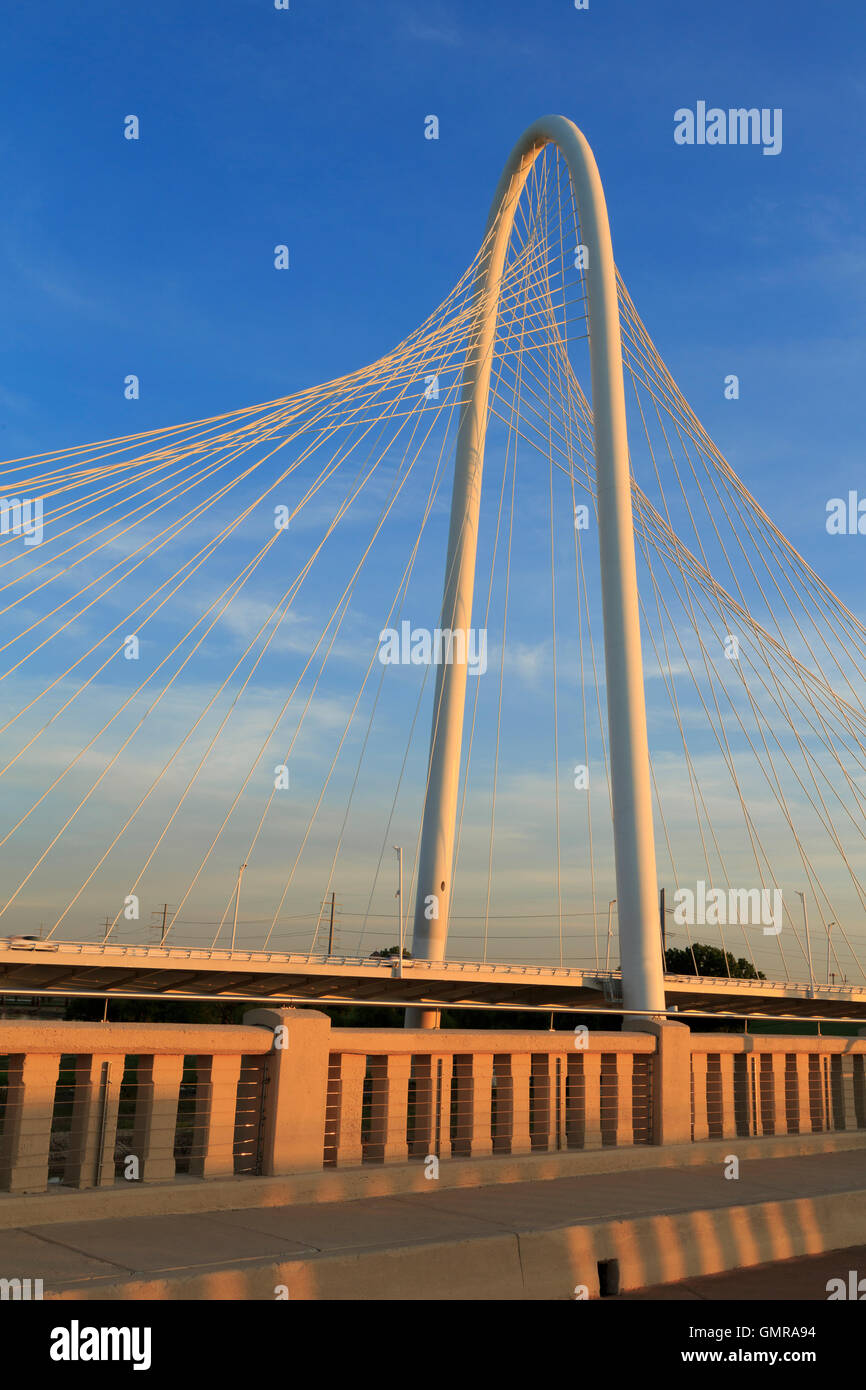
<point x="187" y="972"/>
<point x="539" y="1237"/>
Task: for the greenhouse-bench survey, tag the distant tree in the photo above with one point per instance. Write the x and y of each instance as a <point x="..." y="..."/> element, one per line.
<point x="387" y="951"/>
<point x="157" y="1010"/>
<point x="709" y="960"/>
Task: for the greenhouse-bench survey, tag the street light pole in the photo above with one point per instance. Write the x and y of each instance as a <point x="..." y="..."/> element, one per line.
<point x="399" y="851"/>
<point x="802" y="897"/>
<point x="609" y="932"/>
<point x="237" y="903"/>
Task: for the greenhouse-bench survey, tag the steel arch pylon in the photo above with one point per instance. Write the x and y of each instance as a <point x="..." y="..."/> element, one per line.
<point x="634" y="843"/>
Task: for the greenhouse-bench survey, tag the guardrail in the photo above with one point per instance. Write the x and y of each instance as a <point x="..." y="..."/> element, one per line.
<point x="90" y="1105"/>
<point x="394" y="1096"/>
<point x="776" y="1085"/>
<point x="386" y="964"/>
<point x="44" y="951"/>
<point x="84" y="1104"/>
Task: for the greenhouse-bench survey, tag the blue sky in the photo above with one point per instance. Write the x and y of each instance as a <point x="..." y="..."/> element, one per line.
<point x="306" y="127"/>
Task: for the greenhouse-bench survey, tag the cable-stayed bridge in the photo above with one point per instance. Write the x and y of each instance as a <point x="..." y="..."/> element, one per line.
<point x="234" y="681"/>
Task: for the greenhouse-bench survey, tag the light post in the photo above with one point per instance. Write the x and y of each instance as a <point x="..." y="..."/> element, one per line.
<point x="399" y="852"/>
<point x="237" y="903"/>
<point x="609" y="932"/>
<point x="802" y="897"/>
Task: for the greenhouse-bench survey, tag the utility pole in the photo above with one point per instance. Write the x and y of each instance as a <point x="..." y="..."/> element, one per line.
<point x="162" y="926"/>
<point x="237" y="903"/>
<point x="331" y="927"/>
<point x="107" y="925"/>
<point x="164" y="915"/>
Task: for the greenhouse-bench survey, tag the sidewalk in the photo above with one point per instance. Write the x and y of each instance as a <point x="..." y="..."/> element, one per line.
<point x="514" y="1240"/>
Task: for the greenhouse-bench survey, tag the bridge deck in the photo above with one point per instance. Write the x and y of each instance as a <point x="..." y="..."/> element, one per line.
<point x="68" y="968"/>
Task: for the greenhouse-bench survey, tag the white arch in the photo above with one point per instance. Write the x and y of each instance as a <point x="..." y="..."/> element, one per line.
<point x="634" y="845"/>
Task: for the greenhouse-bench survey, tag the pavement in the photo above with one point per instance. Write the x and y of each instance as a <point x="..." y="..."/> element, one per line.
<point x="519" y="1240"/>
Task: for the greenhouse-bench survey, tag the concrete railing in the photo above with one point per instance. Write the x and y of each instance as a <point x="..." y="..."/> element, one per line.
<point x="394" y="1095"/>
<point x="776" y="1085"/>
<point x="84" y="1105"/>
